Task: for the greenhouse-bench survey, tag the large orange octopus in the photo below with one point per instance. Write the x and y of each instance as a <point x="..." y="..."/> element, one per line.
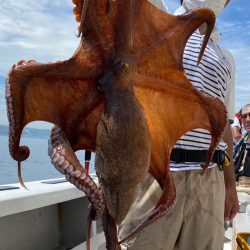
<point x="120" y="96"/>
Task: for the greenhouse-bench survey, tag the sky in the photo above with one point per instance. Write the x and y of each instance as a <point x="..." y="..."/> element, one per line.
<point x="46" y="31"/>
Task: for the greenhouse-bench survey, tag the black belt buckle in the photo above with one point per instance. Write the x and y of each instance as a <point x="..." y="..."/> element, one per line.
<point x="221" y="160"/>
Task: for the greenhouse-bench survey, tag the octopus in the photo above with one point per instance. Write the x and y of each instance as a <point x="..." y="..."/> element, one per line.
<point x="119" y="95"/>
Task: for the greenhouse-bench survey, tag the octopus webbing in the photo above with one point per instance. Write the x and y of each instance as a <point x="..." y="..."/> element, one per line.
<point x="119" y="95"/>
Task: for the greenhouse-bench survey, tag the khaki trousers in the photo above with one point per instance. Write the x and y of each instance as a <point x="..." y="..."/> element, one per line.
<point x="196" y="222"/>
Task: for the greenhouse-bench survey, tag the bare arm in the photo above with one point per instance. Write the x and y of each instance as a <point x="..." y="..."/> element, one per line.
<point x="231" y="200"/>
<point x="236" y="133"/>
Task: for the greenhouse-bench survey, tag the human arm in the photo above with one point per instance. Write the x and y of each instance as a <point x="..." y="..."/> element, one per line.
<point x="236" y="133"/>
<point x="231" y="200"/>
<point x="236" y="129"/>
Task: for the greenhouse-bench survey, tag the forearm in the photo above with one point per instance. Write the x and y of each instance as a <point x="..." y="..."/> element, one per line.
<point x="229" y="171"/>
<point x="229" y="176"/>
<point x="231" y="200"/>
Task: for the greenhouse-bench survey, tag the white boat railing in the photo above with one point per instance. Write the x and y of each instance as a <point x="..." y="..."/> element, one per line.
<point x="51" y="214"/>
<point x="40" y="194"/>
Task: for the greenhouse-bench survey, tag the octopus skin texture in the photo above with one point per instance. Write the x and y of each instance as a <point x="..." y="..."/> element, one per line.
<point x="119" y="95"/>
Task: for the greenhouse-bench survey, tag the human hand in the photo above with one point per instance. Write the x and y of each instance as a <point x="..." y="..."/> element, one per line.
<point x="231" y="203"/>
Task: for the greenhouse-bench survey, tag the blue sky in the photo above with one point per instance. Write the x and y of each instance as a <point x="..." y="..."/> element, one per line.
<point x="46" y="31"/>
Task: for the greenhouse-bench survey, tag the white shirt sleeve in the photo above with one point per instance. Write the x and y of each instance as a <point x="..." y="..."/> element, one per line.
<point x="230" y="92"/>
<point x="159" y="4"/>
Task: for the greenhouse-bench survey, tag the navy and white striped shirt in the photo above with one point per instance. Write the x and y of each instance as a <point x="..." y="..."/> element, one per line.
<point x="215" y="76"/>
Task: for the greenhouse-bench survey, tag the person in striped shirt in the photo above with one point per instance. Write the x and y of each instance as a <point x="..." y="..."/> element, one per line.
<point x="203" y="202"/>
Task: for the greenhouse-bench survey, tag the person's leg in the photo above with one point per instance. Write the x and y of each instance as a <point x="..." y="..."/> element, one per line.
<point x="163" y="233"/>
<point x="203" y="221"/>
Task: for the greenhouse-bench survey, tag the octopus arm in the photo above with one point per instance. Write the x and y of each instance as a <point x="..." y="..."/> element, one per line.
<point x="47" y="92"/>
<point x="165" y="129"/>
<point x="65" y="161"/>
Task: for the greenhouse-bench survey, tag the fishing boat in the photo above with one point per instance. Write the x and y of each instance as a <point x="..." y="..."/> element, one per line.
<point x="52" y="214"/>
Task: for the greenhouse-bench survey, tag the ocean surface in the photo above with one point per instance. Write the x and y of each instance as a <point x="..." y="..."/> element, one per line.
<point x="36" y="167"/>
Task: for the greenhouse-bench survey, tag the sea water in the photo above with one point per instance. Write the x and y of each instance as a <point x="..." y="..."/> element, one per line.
<point x="37" y="167"/>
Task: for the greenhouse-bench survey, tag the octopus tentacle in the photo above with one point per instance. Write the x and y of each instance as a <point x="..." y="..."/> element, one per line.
<point x="65" y="161"/>
<point x="77" y="9"/>
<point x="217" y="125"/>
<point x="164" y="206"/>
<point x="91" y="215"/>
<point x="203" y="105"/>
<point x="19" y="174"/>
<point x="20" y="153"/>
<point x="83" y="15"/>
<point x="110" y="231"/>
<point x="154" y="215"/>
<point x="201" y="16"/>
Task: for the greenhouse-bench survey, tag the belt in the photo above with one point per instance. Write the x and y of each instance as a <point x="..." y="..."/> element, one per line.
<point x="182" y="155"/>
